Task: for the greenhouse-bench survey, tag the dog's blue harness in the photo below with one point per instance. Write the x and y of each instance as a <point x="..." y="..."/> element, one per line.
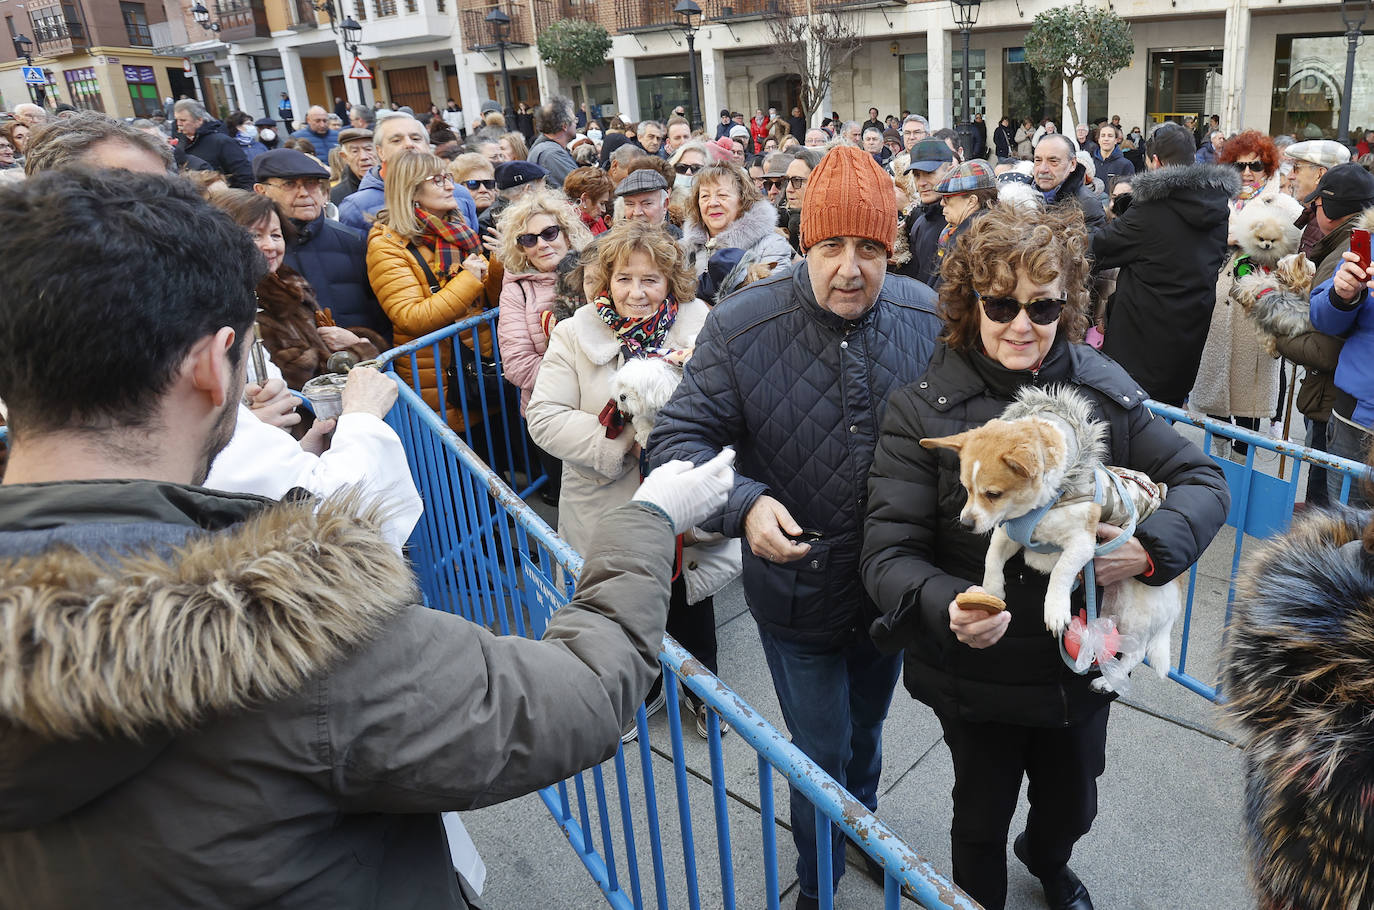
<point x="1022" y="530"/>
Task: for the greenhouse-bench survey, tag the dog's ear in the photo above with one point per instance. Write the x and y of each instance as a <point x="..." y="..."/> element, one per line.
<point x="954" y="443"/>
<point x="1024" y="460"/>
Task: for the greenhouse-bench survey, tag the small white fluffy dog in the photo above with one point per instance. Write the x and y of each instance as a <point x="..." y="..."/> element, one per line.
<point x="641" y="387"/>
<point x="1045" y="446"/>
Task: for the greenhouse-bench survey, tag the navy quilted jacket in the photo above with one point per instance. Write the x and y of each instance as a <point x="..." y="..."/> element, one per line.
<point x="333" y="258"/>
<point x="800" y="393"/>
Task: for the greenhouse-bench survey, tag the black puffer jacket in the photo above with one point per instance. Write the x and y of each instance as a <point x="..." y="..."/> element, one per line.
<point x="923" y="227"/>
<point x="917" y="555"/>
<point x="1170" y="245"/>
<point x="222" y="152"/>
<point x="1073" y="191"/>
<point x="800" y="393"/>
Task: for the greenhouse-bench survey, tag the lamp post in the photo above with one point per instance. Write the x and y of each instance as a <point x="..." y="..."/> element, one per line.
<point x="23" y="46"/>
<point x="202" y="17"/>
<point x="352" y="35"/>
<point x="966" y="17"/>
<point x="685" y="10"/>
<point x="500" y="27"/>
<point x="1353" y="14"/>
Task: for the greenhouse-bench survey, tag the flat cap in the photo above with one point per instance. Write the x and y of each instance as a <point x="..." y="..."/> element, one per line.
<point x="263" y="123"/>
<point x="353" y="134"/>
<point x="491" y="106"/>
<point x="510" y="174"/>
<point x="644" y="180"/>
<point x="1321" y="152"/>
<point x="929" y="155"/>
<point x="967" y="177"/>
<point x="287" y="163"/>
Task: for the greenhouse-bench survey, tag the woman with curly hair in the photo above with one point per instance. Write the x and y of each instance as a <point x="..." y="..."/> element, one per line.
<point x="726" y="211"/>
<point x="1015" y="306"/>
<point x="1256" y="159"/>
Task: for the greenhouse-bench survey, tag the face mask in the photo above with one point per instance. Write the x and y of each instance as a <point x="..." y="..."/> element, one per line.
<point x="682" y="182"/>
<point x="594" y="135"/>
<point x="267" y="135"/>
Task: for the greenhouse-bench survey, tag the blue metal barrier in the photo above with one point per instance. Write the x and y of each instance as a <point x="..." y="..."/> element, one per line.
<point x="1261" y="506"/>
<point x="481" y="552"/>
<point x="496" y="433"/>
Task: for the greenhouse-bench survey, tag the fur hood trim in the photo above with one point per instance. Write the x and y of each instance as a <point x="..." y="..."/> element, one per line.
<point x="747" y="230"/>
<point x="1184" y="179"/>
<point x="122" y="645"/>
<point x="1365" y="220"/>
<point x="1296" y="674"/>
<point x="1065" y="405"/>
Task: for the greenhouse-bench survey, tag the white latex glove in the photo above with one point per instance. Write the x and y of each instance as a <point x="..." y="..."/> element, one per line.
<point x="688" y="495"/>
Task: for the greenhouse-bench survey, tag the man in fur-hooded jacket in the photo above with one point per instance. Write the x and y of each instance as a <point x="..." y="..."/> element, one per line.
<point x="1296" y="672"/>
<point x="1169" y="244"/>
<point x="216" y="700"/>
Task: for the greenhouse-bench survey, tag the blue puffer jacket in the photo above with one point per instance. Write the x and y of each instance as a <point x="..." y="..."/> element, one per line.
<point x="800" y="393"/>
<point x="323" y="144"/>
<point x="333" y="258"/>
<point x="359" y="210"/>
<point x="1353" y="321"/>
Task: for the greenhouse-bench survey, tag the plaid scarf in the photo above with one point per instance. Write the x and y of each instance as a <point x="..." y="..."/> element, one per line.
<point x="641" y="337"/>
<point x="453" y="241"/>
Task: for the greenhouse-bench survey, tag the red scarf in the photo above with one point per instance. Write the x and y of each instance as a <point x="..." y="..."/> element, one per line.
<point x="453" y="241"/>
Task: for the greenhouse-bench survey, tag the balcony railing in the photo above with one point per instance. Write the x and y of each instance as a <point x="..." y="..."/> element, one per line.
<point x="385" y="8"/>
<point x="644" y="15"/>
<point x="478" y="33"/>
<point x="240" y="19"/>
<point x="56" y="37"/>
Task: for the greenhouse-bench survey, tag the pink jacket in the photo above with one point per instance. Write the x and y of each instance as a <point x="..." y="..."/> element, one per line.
<point x="521" y="339"/>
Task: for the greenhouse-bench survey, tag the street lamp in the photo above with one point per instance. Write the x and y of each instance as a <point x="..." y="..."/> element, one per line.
<point x="500" y="27"/>
<point x="202" y="17"/>
<point x="966" y="17"/>
<point x="23" y="46"/>
<point x="352" y="35"/>
<point x="685" y="10"/>
<point x="1353" y="14"/>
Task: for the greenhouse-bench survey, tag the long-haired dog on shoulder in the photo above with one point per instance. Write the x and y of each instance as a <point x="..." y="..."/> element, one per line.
<point x="1048" y="448"/>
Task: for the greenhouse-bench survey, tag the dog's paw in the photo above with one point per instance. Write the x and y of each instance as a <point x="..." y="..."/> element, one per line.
<point x="1057" y="615"/>
<point x="1101" y="685"/>
<point x="996" y="587"/>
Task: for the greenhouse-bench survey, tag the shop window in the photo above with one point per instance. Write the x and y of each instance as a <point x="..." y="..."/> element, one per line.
<point x="1309" y="83"/>
<point x="142" y="90"/>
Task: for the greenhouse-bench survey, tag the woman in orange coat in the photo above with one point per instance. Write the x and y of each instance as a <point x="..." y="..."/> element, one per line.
<point x="420" y="221"/>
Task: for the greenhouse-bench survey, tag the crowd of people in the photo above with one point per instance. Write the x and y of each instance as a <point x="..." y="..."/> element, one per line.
<point x="811" y="301"/>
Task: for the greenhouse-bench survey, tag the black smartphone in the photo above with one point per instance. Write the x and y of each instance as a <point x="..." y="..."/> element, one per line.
<point x="806" y="536"/>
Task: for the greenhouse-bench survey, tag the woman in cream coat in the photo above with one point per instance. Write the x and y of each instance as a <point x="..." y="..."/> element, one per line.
<point x="570" y="412"/>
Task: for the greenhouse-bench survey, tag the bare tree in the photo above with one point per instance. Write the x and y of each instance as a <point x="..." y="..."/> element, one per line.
<point x="814" y="46"/>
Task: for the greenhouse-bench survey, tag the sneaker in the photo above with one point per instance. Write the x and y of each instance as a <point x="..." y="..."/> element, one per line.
<point x="703" y="730"/>
<point x="652" y="705"/>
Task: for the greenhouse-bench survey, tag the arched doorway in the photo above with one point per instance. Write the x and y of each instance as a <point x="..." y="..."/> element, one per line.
<point x="782" y="92"/>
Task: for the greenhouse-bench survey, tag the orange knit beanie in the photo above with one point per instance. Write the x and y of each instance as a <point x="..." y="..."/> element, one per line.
<point x="849" y="195"/>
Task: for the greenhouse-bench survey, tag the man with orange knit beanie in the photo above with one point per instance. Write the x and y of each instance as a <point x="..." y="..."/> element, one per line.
<point x="794" y="372"/>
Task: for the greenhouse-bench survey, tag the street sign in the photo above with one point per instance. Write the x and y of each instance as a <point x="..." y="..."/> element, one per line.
<point x="186" y="68"/>
<point x="359" y="70"/>
<point x="33" y="75"/>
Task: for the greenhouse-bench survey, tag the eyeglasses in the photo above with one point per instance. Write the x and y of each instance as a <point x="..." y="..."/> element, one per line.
<point x="798" y="182"/>
<point x="484" y="184"/>
<point x="688" y="169"/>
<point x="1256" y="167"/>
<point x="440" y="180"/>
<point x="295" y="185"/>
<point x="548" y="235"/>
<point x="774" y="182"/>
<point x="1042" y="311"/>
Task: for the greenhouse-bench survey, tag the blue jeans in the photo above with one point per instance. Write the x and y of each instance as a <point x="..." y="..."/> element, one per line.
<point x="1348" y="442"/>
<point x="834" y="701"/>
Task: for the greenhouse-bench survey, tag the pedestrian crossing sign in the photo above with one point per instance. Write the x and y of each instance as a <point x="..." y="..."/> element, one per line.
<point x="359" y="70"/>
<point x="33" y="75"/>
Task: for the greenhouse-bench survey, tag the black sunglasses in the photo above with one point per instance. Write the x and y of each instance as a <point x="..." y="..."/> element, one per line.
<point x="484" y="184"/>
<point x="771" y="182"/>
<point x="1255" y="166"/>
<point x="1043" y="311"/>
<point x="548" y="235"/>
<point x="688" y="169"/>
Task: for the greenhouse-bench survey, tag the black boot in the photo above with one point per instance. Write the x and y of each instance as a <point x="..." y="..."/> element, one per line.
<point x="1063" y="890"/>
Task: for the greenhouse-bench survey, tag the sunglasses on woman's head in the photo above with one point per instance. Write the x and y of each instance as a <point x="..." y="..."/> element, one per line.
<point x="1255" y="166"/>
<point x="484" y="184"/>
<point x="548" y="235"/>
<point x="688" y="169"/>
<point x="1042" y="311"/>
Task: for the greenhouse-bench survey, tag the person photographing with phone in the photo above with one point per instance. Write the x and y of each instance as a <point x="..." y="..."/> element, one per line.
<point x="1339" y="307"/>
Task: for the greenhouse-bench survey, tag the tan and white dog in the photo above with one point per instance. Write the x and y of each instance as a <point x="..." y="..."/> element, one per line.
<point x="1047" y="448"/>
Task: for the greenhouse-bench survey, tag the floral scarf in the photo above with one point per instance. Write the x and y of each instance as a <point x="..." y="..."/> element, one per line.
<point x="453" y="241"/>
<point x="645" y="337"/>
<point x="1247" y="192"/>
